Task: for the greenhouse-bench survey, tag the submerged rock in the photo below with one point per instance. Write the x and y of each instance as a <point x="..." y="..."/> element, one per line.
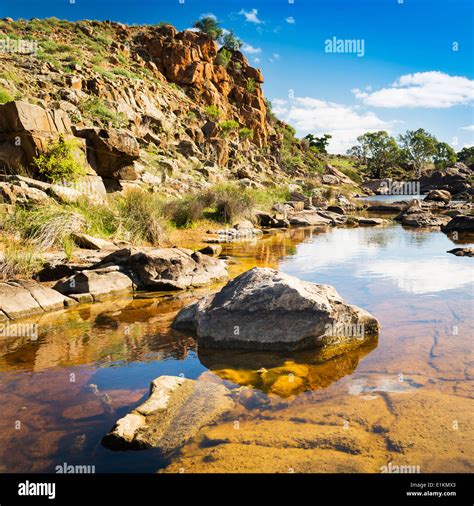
<point x="371" y="221"/>
<point x="263" y="309"/>
<point x="173" y="413"/>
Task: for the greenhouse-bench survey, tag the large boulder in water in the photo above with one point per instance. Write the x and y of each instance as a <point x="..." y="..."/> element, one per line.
<point x="263" y="309"/>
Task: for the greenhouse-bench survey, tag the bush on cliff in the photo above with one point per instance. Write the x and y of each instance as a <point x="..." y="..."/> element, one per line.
<point x="61" y="162"/>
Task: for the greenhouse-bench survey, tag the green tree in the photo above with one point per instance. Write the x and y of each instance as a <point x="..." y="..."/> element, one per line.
<point x="320" y="144"/>
<point x="223" y="57"/>
<point x="230" y="41"/>
<point x="210" y="26"/>
<point x="466" y="155"/>
<point x="378" y="150"/>
<point x="418" y="148"/>
<point x="445" y="156"/>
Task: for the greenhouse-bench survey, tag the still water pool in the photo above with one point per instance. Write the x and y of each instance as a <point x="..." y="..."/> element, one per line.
<point x="405" y="399"/>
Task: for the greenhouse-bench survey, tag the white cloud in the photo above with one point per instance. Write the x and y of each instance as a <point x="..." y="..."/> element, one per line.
<point x="469" y="128"/>
<point x="421" y="89"/>
<point x="209" y="15"/>
<point x="256" y="60"/>
<point x="251" y="16"/>
<point x="344" y="123"/>
<point x="274" y="57"/>
<point x="290" y="20"/>
<point x="248" y="48"/>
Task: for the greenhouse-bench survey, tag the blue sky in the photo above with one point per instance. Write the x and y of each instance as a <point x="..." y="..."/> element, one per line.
<point x="409" y="76"/>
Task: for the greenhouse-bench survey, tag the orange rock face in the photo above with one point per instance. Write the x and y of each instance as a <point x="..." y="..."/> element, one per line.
<point x="190" y="59"/>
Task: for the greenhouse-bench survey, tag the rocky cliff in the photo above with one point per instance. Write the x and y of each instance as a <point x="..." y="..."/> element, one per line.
<point x="144" y="105"/>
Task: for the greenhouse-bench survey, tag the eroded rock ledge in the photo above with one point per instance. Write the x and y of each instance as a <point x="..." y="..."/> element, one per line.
<point x="263" y="309"/>
<point x="119" y="273"/>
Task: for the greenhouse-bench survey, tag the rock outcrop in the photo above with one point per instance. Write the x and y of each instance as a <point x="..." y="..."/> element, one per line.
<point x="439" y="196"/>
<point x="263" y="309"/>
<point x="419" y="215"/>
<point x="175" y="411"/>
<point x="167" y="268"/>
<point x="26" y="130"/>
<point x="461" y="223"/>
<point x="454" y="179"/>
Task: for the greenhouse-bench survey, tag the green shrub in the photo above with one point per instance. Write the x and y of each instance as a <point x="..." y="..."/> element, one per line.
<point x="251" y="85"/>
<point x="246" y="133"/>
<point x="5" y="96"/>
<point x="223" y="57"/>
<point x="98" y="110"/>
<point x="213" y="112"/>
<point x="228" y="126"/>
<point x="60" y="163"/>
<point x="231" y="202"/>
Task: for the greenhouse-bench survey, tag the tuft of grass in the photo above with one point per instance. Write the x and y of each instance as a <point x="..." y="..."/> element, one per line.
<point x="185" y="212"/>
<point x="104" y="72"/>
<point x="46" y="226"/>
<point x="124" y="73"/>
<point x="232" y="202"/>
<point x="5" y="96"/>
<point x="251" y="85"/>
<point x="223" y="57"/>
<point x="140" y="216"/>
<point x="20" y="260"/>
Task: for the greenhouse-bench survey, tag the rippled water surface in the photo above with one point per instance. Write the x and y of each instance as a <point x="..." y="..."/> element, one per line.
<point x="406" y="398"/>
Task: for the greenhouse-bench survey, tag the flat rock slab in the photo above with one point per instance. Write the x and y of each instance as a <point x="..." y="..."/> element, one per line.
<point x="371" y="221"/>
<point x="307" y="219"/>
<point x="19" y="299"/>
<point x="175" y="411"/>
<point x="389" y="207"/>
<point x="95" y="243"/>
<point x="99" y="284"/>
<point x="263" y="309"/>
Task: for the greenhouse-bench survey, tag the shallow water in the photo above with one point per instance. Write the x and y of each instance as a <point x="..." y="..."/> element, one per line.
<point x="406" y="398"/>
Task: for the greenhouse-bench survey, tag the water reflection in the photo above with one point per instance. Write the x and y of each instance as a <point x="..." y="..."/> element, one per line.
<point x="416" y="262"/>
<point x="283" y="374"/>
<point x="121" y="345"/>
